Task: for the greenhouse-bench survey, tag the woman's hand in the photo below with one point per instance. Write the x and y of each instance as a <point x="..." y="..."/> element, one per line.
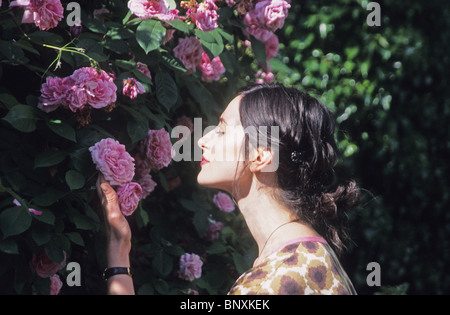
<point x="117" y="227"/>
<point x="118" y="238"/>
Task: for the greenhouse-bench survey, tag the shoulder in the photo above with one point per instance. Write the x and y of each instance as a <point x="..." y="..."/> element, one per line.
<point x="306" y="267"/>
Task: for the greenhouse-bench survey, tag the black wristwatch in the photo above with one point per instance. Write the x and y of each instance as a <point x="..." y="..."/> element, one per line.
<point x="112" y="271"/>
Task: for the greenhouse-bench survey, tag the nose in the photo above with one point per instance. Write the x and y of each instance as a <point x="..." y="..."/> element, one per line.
<point x="200" y="143"/>
<point x="203" y="141"/>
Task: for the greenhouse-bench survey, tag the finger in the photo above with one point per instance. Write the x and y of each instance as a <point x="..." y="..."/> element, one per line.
<point x="100" y="180"/>
<point x="109" y="193"/>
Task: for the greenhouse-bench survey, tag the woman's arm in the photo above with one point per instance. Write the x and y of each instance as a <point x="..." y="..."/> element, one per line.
<point x="118" y="238"/>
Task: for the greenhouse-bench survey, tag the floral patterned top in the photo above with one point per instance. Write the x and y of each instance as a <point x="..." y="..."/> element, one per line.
<point x="302" y="266"/>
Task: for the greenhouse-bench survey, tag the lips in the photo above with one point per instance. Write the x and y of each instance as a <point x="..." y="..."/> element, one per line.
<point x="204" y="161"/>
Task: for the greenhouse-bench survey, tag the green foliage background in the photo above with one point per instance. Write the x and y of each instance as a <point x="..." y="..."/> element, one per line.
<point x="387" y="86"/>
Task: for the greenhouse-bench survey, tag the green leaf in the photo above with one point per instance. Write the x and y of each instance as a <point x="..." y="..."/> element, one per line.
<point x="49" y="197"/>
<point x="14" y="221"/>
<point x="76" y="238"/>
<point x="8" y="100"/>
<point x="74" y="179"/>
<point x="161" y="286"/>
<point x="96" y="26"/>
<point x="40" y="235"/>
<point x="174" y="63"/>
<point x="181" y="26"/>
<point x="259" y="49"/>
<point x="62" y="129"/>
<point x="240" y="262"/>
<point x="22" y="117"/>
<point x="211" y="41"/>
<point x="9" y="246"/>
<point x="54" y="249"/>
<point x="150" y="35"/>
<point x="47" y="217"/>
<point x="163" y="263"/>
<point x="166" y="89"/>
<point x="201" y="222"/>
<point x="137" y="129"/>
<point x="49" y="158"/>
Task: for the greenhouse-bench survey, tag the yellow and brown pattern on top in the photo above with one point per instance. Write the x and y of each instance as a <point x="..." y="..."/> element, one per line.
<point x="301" y="267"/>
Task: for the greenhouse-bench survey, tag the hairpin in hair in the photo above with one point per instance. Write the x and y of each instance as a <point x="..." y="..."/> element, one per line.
<point x="297" y="157"/>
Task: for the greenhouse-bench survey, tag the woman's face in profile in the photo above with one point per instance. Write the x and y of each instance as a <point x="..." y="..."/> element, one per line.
<point x="223" y="153"/>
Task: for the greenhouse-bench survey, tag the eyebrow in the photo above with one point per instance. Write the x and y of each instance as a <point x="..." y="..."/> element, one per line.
<point x="222" y="120"/>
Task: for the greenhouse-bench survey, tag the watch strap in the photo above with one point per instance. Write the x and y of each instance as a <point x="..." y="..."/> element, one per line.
<point x="112" y="271"/>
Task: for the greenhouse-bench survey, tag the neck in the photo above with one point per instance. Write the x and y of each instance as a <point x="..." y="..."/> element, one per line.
<point x="270" y="223"/>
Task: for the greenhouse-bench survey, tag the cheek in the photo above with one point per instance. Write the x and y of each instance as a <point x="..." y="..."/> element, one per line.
<point x="227" y="162"/>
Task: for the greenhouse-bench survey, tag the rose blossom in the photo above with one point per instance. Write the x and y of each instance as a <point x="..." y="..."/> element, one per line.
<point x="213" y="230"/>
<point x="205" y="17"/>
<point x="55" y="284"/>
<point x="211" y="69"/>
<point x="255" y="29"/>
<point x="223" y="202"/>
<point x="190" y="267"/>
<point x="45" y="14"/>
<point x="143" y="68"/>
<point x="98" y="87"/>
<point x="44" y="266"/>
<point x="147" y="185"/>
<point x="132" y="87"/>
<point x="152" y="9"/>
<point x="156" y="149"/>
<point x="271" y="14"/>
<point x="54" y="93"/>
<point x="272" y="46"/>
<point x="264" y="77"/>
<point x="113" y="161"/>
<point x="189" y="50"/>
<point x="129" y="196"/>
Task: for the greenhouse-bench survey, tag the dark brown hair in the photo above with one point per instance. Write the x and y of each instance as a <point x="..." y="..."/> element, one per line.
<point x="306" y="178"/>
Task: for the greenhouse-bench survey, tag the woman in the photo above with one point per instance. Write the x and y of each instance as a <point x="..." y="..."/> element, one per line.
<point x="281" y="182"/>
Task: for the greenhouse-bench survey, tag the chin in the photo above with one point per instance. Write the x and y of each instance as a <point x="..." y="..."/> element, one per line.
<point x="211" y="182"/>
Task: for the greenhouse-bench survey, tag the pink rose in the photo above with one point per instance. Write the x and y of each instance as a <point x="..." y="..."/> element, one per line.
<point x="98" y="87"/>
<point x="190" y="267"/>
<point x="213" y="230"/>
<point x="264" y="77"/>
<point x="44" y="266"/>
<point x="113" y="161"/>
<point x="189" y="50"/>
<point x="132" y="87"/>
<point x="143" y="68"/>
<point x="129" y="196"/>
<point x="54" y="93"/>
<point x="45" y="14"/>
<point x="55" y="284"/>
<point x="147" y="184"/>
<point x="272" y="46"/>
<point x="255" y="29"/>
<point x="156" y="149"/>
<point x="205" y="17"/>
<point x="211" y="69"/>
<point x="223" y="202"/>
<point x="271" y="14"/>
<point x="152" y="9"/>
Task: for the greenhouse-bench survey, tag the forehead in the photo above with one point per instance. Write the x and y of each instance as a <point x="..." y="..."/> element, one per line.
<point x="231" y="113"/>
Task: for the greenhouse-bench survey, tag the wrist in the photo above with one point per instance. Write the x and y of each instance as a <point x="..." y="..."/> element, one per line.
<point x="118" y="254"/>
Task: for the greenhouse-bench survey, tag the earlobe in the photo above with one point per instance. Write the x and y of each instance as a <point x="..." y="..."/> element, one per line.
<point x="263" y="159"/>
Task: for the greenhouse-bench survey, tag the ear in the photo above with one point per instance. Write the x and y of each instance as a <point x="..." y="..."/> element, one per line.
<point x="263" y="159"/>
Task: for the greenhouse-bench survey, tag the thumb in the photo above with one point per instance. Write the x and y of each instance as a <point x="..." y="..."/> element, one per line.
<point x="109" y="192"/>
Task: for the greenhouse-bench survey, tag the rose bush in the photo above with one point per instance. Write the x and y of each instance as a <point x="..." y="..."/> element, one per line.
<point x="102" y="97"/>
